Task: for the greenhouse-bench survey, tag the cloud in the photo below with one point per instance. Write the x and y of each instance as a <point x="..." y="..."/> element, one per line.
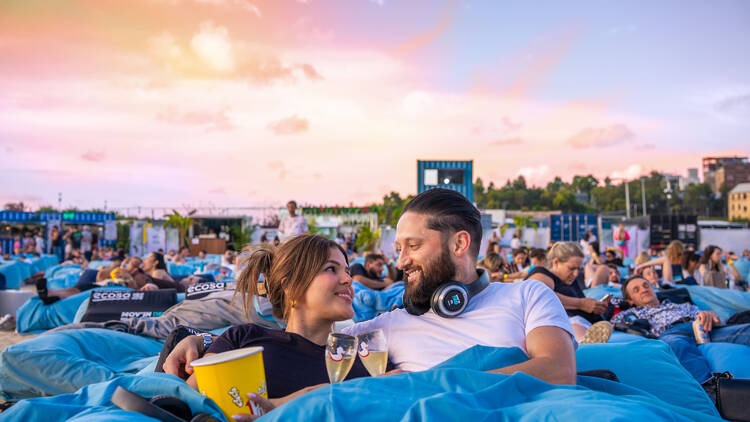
<point x="212" y="121"/>
<point x="735" y="104"/>
<point x="279" y="168"/>
<point x="213" y="45"/>
<point x="165" y="47"/>
<point x="509" y="125"/>
<point x="601" y="137"/>
<point x="507" y="141"/>
<point x="309" y="71"/>
<point x="289" y="126"/>
<point x="218" y="191"/>
<point x="647" y="146"/>
<point x="94" y="156"/>
<point x="632" y="172"/>
<point x="577" y="165"/>
<point x="533" y="174"/>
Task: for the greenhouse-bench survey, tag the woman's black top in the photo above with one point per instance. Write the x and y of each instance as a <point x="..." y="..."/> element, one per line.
<point x="572" y="290"/>
<point x="291" y="361"/>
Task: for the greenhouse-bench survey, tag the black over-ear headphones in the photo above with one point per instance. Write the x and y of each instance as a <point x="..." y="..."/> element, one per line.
<point x="163" y="408"/>
<point x="451" y="298"/>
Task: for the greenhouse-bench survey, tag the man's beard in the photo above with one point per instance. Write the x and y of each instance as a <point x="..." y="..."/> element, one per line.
<point x="434" y="273"/>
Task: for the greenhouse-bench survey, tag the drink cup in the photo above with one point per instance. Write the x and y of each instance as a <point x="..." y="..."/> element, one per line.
<point x="701" y="335"/>
<point x="228" y="377"/>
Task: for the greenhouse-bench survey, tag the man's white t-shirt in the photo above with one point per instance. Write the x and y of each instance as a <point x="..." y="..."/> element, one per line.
<point x="500" y="316"/>
<point x="515" y="243"/>
<point x="292" y="226"/>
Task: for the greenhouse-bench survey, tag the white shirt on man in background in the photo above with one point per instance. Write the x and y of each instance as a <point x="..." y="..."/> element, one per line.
<point x="292" y="226"/>
<point x="500" y="316"/>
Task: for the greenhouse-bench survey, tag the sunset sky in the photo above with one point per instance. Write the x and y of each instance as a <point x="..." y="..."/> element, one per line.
<point x="252" y="102"/>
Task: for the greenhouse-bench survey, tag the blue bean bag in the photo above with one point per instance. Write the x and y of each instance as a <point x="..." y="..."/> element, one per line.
<point x="734" y="358"/>
<point x="92" y="403"/>
<point x="34" y="316"/>
<point x="459" y="390"/>
<point x="63" y="361"/>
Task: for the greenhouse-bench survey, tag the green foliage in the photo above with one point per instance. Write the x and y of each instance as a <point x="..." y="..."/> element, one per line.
<point x="366" y="239"/>
<point x="241" y="237"/>
<point x="123" y="236"/>
<point x="390" y="211"/>
<point x="181" y="223"/>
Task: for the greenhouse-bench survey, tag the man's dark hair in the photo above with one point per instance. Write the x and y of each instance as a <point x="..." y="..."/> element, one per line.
<point x="370" y="257"/>
<point x="449" y="212"/>
<point x="625" y="283"/>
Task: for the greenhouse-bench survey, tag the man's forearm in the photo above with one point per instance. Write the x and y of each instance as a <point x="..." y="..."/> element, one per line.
<point x="550" y="370"/>
<point x="369" y="282"/>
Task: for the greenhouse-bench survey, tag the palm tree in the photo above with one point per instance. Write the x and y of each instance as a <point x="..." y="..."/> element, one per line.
<point x="181" y="223"/>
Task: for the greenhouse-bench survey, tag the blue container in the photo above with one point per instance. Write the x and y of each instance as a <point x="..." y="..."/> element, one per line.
<point x="454" y="175"/>
<point x="572" y="227"/>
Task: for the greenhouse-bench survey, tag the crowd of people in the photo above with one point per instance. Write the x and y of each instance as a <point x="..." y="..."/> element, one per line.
<point x="530" y="298"/>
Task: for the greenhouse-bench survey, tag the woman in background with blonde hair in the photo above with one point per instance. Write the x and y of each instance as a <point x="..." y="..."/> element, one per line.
<point x="564" y="261"/>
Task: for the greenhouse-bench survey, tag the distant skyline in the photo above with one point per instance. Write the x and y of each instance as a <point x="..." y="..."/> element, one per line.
<point x="253" y="103"/>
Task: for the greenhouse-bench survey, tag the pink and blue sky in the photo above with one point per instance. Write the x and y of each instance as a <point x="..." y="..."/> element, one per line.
<point x="254" y="102"/>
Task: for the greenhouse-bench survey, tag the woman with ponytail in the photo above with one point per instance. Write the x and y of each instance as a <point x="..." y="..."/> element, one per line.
<point x="306" y="280"/>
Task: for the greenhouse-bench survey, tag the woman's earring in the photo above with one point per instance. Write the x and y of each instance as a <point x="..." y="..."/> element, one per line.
<point x="294" y="303"/>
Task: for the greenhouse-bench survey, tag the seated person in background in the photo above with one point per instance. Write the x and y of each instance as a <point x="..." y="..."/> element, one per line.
<point x="514" y="269"/>
<point x="371" y="274"/>
<point x="76" y="258"/>
<point x="494" y="247"/>
<point x="492" y="263"/>
<point x="308" y="284"/>
<point x="670" y="263"/>
<point x="538" y="258"/>
<point x="182" y="256"/>
<point x="564" y="260"/>
<point x="650" y="274"/>
<point x="674" y="324"/>
<point x="641" y="258"/>
<point x="202" y="255"/>
<point x="127" y="270"/>
<point x="690" y="273"/>
<point x="227" y="260"/>
<point x="613" y="256"/>
<point x="170" y="255"/>
<point x="155" y="269"/>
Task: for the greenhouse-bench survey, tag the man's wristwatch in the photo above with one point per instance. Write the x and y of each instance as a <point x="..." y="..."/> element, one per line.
<point x="207" y="340"/>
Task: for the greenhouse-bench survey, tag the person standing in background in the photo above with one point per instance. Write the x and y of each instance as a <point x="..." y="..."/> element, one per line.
<point x="86" y="240"/>
<point x="293" y="224"/>
<point x="57" y="244"/>
<point x="621" y="237"/>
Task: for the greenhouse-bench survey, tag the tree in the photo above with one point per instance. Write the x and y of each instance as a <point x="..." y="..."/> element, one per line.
<point x="584" y="184"/>
<point x="181" y="223"/>
<point x="14" y="206"/>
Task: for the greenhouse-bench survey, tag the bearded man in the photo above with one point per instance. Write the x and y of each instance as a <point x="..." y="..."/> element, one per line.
<point x="438" y="238"/>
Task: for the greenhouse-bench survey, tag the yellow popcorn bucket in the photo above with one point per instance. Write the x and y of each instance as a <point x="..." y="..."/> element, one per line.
<point x="228" y="377"/>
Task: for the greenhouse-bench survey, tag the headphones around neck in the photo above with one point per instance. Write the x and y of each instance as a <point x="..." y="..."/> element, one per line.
<point x="451" y="298"/>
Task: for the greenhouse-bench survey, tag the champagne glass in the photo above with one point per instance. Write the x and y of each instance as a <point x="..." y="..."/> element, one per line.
<point x="341" y="349"/>
<point x="373" y="352"/>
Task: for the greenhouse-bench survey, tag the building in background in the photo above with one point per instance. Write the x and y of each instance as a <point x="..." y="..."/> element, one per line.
<point x="691" y="179"/>
<point x="729" y="170"/>
<point x="739" y="202"/>
<point x="454" y="175"/>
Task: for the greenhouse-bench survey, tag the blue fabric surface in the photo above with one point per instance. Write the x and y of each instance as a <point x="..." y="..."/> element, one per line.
<point x="95" y="265"/>
<point x="648" y="365"/>
<point x="369" y="303"/>
<point x="42" y="263"/>
<point x="724" y="301"/>
<point x="34" y="316"/>
<point x="180" y="269"/>
<point x="734" y="358"/>
<point x="15" y="272"/>
<point x="459" y="390"/>
<point x="67" y="277"/>
<point x="92" y="403"/>
<point x="63" y="361"/>
<point x="53" y="271"/>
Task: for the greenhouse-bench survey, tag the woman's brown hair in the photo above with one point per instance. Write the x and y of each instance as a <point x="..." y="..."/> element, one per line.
<point x="286" y="270"/>
<point x="674" y="251"/>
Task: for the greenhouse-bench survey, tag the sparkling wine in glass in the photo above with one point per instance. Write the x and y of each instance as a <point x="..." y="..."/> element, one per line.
<point x="341" y="350"/>
<point x="373" y="351"/>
